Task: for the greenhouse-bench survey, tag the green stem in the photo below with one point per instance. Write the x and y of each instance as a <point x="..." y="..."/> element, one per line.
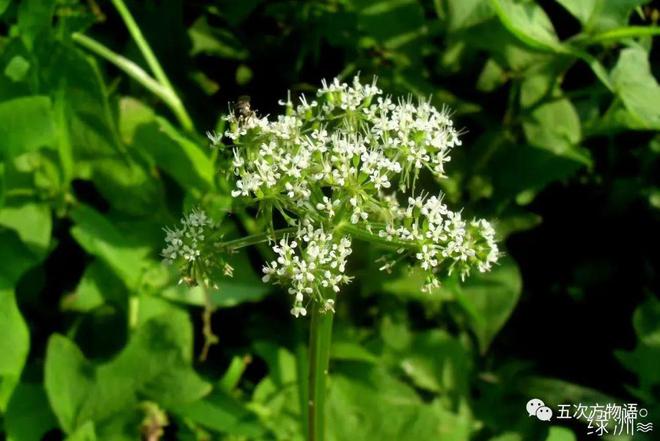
<point x="364" y="235"/>
<point x="254" y="239"/>
<point x="320" y="334"/>
<point x="138" y="74"/>
<point x="127" y="66"/>
<point x="302" y="370"/>
<point x="621" y="33"/>
<point x="142" y="44"/>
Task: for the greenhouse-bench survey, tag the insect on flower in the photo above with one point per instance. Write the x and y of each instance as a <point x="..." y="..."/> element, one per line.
<point x="243" y="108"/>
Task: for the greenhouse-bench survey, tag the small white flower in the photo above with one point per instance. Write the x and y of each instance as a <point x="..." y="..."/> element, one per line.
<point x="215" y="138"/>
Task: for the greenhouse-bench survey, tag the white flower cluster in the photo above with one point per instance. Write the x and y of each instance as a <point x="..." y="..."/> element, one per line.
<point x="339" y="164"/>
<point x="310" y="261"/>
<point x="191" y="248"/>
<point x="186" y="242"/>
<point x="445" y="242"/>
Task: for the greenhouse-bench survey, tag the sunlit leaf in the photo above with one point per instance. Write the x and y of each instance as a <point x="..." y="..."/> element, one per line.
<point x="637" y="87"/>
<point x="366" y="403"/>
<point x="31" y="221"/>
<point x="27" y="124"/>
<point x="157" y="359"/>
<point x="528" y="22"/>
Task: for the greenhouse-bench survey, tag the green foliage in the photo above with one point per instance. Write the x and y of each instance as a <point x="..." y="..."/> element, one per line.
<point x="155" y="365"/>
<point x="557" y="97"/>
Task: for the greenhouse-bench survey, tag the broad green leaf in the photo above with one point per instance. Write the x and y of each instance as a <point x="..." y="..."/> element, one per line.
<point x="186" y="161"/>
<point x="28" y="415"/>
<point x="69" y="379"/>
<point x="27" y="124"/>
<point x="14" y="344"/>
<point x="99" y="237"/>
<point x="366" y="403"/>
<point x="157" y="360"/>
<point x="221" y="413"/>
<point x="489" y="299"/>
<point x="32" y="222"/>
<point x="637" y="87"/>
<point x="528" y="22"/>
<point x="552" y="122"/>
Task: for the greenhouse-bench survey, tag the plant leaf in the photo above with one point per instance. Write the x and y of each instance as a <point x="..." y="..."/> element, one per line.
<point x="489" y="299"/>
<point x="99" y="237"/>
<point x="14" y="344"/>
<point x="637" y="87"/>
<point x="27" y="124"/>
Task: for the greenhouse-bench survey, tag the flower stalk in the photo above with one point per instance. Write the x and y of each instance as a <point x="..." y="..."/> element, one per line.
<point x="319" y="357"/>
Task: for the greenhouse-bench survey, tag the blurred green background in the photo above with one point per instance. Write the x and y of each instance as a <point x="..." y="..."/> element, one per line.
<point x="98" y="342"/>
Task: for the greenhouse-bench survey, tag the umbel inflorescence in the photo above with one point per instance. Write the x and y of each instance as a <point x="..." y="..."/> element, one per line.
<point x="344" y="167"/>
